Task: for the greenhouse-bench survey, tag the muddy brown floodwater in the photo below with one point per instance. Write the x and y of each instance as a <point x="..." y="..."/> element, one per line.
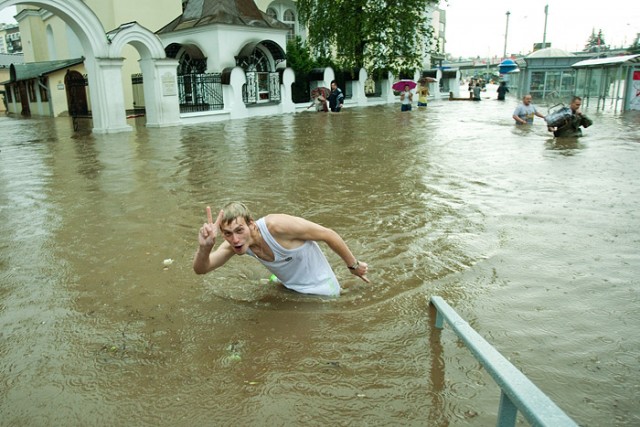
<point x="534" y="241"/>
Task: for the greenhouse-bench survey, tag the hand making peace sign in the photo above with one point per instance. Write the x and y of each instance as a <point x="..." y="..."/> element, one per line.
<point x="210" y="229"/>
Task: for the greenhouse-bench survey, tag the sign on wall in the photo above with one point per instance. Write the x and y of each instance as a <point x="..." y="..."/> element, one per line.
<point x="169" y="85"/>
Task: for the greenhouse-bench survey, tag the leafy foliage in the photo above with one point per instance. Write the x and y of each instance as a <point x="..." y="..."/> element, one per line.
<point x="299" y="56"/>
<point x="596" y="42"/>
<point x="300" y="60"/>
<point x="373" y="34"/>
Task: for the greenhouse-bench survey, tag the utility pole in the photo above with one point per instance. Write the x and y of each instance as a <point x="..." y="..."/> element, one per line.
<point x="506" y="31"/>
<point x="544" y="35"/>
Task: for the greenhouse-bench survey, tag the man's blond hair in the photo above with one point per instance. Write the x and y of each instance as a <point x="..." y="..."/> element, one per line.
<point x="234" y="210"/>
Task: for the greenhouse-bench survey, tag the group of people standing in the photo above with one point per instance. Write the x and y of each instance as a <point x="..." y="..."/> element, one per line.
<point x="335" y="101"/>
<point x="406" y="96"/>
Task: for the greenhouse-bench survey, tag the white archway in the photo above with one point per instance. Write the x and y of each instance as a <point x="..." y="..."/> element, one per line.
<point x="76" y="15"/>
<point x="159" y="74"/>
<point x="104" y="64"/>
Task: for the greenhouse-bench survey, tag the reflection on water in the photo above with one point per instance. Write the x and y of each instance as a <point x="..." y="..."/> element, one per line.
<point x="532" y="239"/>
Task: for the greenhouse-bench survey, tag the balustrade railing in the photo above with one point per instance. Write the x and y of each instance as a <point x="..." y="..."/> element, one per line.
<point x="518" y="393"/>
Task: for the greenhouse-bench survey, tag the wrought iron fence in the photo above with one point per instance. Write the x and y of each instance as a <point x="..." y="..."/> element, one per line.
<point x="200" y="92"/>
<point x="197" y="92"/>
<point x="138" y="92"/>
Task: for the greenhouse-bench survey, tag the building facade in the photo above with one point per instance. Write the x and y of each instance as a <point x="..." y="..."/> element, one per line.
<point x="49" y="38"/>
<point x="286" y="12"/>
<point x="191" y="60"/>
<point x="10" y="39"/>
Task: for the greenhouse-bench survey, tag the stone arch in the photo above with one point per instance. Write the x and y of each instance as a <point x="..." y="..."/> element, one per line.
<point x="191" y="59"/>
<point x="76" y="15"/>
<point x="147" y="43"/>
<point x="271" y="49"/>
<point x="288" y="15"/>
<point x="279" y="6"/>
<point x="161" y="100"/>
<point x="104" y="64"/>
<point x="272" y="12"/>
<point x="86" y="25"/>
<point x="260" y="61"/>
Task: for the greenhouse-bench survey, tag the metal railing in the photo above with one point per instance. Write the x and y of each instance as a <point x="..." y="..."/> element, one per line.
<point x="518" y="393"/>
<point x="200" y="92"/>
<point x="196" y="92"/>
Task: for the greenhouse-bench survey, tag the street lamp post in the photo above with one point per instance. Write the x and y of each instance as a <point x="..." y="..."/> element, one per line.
<point x="544" y="35"/>
<point x="506" y="32"/>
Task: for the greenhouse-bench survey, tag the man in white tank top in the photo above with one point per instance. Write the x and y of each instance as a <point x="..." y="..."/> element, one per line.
<point x="285" y="244"/>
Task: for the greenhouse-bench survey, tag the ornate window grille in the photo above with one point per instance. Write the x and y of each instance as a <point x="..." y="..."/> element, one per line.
<point x="263" y="85"/>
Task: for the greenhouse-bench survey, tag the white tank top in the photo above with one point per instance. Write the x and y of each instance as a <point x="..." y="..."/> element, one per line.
<point x="304" y="269"/>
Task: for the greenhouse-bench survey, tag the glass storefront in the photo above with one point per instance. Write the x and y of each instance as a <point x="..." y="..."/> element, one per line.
<point x="556" y="84"/>
<point x="607" y="85"/>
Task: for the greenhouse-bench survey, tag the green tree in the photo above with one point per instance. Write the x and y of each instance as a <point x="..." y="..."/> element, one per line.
<point x="596" y="42"/>
<point x="299" y="56"/>
<point x="300" y="60"/>
<point x="374" y="34"/>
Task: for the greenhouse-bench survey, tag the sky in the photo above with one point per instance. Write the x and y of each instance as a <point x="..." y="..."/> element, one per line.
<point x="474" y="29"/>
<point x="477" y="30"/>
<point x="6" y="15"/>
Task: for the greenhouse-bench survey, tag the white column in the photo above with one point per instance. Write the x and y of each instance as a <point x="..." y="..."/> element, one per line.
<point x="107" y="97"/>
<point x="160" y="85"/>
<point x="232" y="94"/>
<point x="329" y="75"/>
<point x="358" y="95"/>
<point x="286" y="99"/>
<point x="434" y="88"/>
<point x="454" y="85"/>
<point x="387" y="90"/>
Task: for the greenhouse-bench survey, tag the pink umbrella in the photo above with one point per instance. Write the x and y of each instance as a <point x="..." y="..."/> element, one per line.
<point x="399" y="85"/>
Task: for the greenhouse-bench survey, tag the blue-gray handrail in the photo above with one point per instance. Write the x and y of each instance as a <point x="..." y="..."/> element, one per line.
<point x="518" y="393"/>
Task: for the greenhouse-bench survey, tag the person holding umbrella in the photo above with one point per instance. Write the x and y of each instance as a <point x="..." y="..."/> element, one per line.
<point x="406" y="98"/>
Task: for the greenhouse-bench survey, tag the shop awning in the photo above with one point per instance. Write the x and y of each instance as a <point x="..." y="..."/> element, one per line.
<point x="608" y="62"/>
